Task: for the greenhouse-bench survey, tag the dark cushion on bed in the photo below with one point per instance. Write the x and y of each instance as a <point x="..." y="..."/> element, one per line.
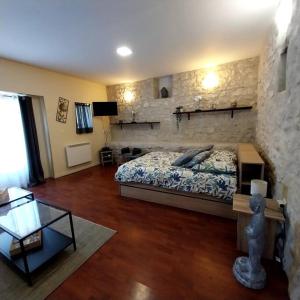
<point x="197" y="159"/>
<point x="188" y="155"/>
<point x="206" y="148"/>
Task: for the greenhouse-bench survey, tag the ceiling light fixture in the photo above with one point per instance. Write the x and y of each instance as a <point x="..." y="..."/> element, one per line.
<point x="124" y="51"/>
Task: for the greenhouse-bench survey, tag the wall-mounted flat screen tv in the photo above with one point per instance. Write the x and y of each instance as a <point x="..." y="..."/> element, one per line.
<point x="105" y="108"/>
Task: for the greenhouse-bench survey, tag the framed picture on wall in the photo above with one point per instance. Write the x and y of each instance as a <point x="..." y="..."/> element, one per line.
<point x="62" y="110"/>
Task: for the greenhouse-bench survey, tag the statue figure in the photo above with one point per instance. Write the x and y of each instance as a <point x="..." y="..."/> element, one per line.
<point x="248" y="270"/>
<point x="164" y="93"/>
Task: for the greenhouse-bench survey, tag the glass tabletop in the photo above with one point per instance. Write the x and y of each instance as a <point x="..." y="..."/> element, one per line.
<point x="23" y="219"/>
<point x="12" y="194"/>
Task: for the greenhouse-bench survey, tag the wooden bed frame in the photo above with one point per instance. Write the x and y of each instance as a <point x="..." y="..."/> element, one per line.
<point x="190" y="201"/>
<point x="193" y="201"/>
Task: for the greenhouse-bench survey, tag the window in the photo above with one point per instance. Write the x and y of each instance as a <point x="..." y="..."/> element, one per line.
<point x="282" y="70"/>
<point x="13" y="155"/>
<point x="84" y="123"/>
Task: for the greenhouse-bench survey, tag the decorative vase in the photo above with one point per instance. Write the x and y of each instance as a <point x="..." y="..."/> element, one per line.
<point x="133" y="114"/>
<point x="179" y="109"/>
<point x="197" y="100"/>
<point x="233" y="103"/>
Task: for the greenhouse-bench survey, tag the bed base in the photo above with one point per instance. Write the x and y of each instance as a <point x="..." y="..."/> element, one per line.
<point x="190" y="201"/>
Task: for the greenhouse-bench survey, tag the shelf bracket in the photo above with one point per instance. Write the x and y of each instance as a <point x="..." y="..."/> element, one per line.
<point x="189" y="116"/>
<point x="231" y="113"/>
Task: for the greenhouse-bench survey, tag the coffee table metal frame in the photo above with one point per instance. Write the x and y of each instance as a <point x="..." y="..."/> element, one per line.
<point x="29" y="196"/>
<point x="33" y="260"/>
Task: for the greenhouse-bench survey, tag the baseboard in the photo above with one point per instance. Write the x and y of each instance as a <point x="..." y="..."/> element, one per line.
<point x="75" y="169"/>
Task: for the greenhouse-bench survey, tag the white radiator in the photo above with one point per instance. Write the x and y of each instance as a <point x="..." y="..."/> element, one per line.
<point x="78" y="154"/>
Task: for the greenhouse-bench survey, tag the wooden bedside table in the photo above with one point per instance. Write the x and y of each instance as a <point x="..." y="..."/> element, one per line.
<point x="273" y="215"/>
<point x="251" y="166"/>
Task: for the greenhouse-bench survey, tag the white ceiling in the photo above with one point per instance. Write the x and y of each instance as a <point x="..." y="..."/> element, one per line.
<point x="80" y="37"/>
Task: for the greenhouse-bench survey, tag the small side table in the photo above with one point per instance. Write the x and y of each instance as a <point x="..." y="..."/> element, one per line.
<point x="273" y="215"/>
<point x="106" y="157"/>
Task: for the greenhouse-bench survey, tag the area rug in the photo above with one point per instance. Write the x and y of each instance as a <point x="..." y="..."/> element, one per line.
<point x="89" y="238"/>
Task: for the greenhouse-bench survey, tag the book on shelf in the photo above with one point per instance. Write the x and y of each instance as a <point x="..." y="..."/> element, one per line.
<point x="32" y="242"/>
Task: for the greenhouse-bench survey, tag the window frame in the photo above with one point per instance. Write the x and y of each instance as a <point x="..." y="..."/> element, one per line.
<point x="83" y="125"/>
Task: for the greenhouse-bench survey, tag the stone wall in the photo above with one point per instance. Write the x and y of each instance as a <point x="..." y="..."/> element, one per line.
<point x="278" y="132"/>
<point x="238" y="81"/>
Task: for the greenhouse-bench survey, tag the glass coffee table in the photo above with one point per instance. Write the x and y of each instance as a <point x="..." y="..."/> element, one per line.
<point x="25" y="217"/>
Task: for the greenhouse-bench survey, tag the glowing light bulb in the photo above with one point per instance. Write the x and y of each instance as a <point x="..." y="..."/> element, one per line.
<point x="210" y="81"/>
<point x="124" y="51"/>
<point x="128" y="96"/>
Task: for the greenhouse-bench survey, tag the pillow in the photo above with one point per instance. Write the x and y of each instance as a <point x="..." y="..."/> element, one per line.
<point x="186" y="157"/>
<point x="223" y="155"/>
<point x="215" y="167"/>
<point x="219" y="162"/>
<point x="206" y="148"/>
<point x="197" y="159"/>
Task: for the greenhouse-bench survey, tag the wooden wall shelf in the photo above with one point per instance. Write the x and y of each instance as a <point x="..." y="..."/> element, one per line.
<point x="232" y="109"/>
<point x="151" y="124"/>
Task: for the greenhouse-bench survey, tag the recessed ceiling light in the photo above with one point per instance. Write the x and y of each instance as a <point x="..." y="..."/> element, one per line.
<point x="124" y="51"/>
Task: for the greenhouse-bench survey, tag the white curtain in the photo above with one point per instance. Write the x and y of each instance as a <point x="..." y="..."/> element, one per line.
<point x="13" y="156"/>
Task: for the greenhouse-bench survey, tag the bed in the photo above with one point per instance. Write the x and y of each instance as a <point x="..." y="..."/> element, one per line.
<point x="208" y="187"/>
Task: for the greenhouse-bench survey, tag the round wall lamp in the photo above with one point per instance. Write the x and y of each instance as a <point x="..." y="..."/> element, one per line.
<point x="128" y="96"/>
<point x="210" y="81"/>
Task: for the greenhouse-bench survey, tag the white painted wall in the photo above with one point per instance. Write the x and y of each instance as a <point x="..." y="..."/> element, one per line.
<point x="21" y="78"/>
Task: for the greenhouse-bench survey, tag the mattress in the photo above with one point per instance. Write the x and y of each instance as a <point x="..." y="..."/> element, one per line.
<point x="155" y="169"/>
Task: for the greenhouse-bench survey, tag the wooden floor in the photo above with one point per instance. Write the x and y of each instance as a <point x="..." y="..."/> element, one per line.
<point x="158" y="253"/>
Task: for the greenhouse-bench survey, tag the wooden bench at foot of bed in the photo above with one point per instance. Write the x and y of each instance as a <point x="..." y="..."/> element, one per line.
<point x="190" y="201"/>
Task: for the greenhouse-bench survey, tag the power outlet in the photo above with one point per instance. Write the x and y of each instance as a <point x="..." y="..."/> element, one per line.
<point x="282" y="202"/>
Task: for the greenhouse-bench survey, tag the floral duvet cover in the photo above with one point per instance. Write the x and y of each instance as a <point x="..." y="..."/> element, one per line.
<point x="155" y="169"/>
